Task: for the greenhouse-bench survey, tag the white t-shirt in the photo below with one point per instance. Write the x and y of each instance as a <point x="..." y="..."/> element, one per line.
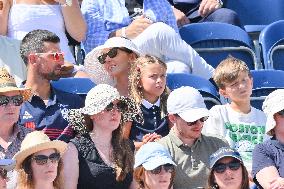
<point x="242" y="131"/>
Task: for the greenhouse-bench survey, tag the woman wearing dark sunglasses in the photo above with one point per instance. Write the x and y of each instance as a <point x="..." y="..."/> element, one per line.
<point x="154" y="167"/>
<point x="268" y="158"/>
<point x="227" y="170"/>
<point x="101" y="158"/>
<point x="39" y="163"/>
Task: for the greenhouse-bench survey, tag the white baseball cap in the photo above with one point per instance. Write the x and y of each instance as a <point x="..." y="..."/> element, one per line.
<point x="188" y="103"/>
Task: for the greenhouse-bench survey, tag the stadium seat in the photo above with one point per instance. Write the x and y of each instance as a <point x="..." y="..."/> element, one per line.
<point x="80" y="86"/>
<point x="264" y="82"/>
<point x="271" y="40"/>
<point x="256" y="14"/>
<point x="215" y="41"/>
<point x="206" y="88"/>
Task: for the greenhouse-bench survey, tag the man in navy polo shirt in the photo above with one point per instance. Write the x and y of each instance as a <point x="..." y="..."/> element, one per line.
<point x="47" y="109"/>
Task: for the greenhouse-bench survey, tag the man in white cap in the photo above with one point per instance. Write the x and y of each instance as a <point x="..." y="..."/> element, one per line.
<point x="189" y="148"/>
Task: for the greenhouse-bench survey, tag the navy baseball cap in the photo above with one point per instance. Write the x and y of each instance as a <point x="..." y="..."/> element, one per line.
<point x="224" y="152"/>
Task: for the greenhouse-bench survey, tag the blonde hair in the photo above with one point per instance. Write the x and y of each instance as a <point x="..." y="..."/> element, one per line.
<point x="229" y="70"/>
<point x="135" y="80"/>
<point x="25" y="175"/>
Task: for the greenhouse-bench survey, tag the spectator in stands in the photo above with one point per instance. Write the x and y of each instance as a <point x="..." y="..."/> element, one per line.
<point x="39" y="162"/>
<point x="11" y="98"/>
<point x="193" y="11"/>
<point x="6" y="165"/>
<point x="148" y="89"/>
<point x="55" y="16"/>
<point x="154" y="167"/>
<point x="242" y="125"/>
<point x="154" y="33"/>
<point x="227" y="170"/>
<point x="268" y="167"/>
<point x="48" y="108"/>
<point x="101" y="158"/>
<point x="189" y="148"/>
<point x="10" y="59"/>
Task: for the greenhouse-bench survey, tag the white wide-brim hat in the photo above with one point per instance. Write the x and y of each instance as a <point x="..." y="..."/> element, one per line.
<point x="98" y="98"/>
<point x="272" y="104"/>
<point x="95" y="69"/>
<point x="35" y="142"/>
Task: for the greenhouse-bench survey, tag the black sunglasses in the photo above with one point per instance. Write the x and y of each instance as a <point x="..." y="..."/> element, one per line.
<point x="221" y="167"/>
<point x="203" y="119"/>
<point x="3" y="173"/>
<point x="112" y="53"/>
<point x="42" y="159"/>
<point x="167" y="167"/>
<point x="120" y="106"/>
<point x="16" y="100"/>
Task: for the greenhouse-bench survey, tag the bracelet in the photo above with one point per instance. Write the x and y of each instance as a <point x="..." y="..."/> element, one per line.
<point x="123" y="33"/>
<point x="220" y="3"/>
<point x="67" y="3"/>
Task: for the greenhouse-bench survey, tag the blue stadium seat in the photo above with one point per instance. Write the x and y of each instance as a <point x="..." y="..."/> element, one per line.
<point x="271" y="40"/>
<point x="80" y="86"/>
<point x="215" y="41"/>
<point x="256" y="14"/>
<point x="264" y="82"/>
<point x="205" y="87"/>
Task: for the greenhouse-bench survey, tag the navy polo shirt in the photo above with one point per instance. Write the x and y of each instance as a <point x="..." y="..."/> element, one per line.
<point x="153" y="122"/>
<point x="51" y="118"/>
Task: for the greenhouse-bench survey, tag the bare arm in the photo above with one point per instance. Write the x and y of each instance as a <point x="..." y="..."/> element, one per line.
<point x="71" y="167"/>
<point x="267" y="176"/>
<point x="5" y="6"/>
<point x="74" y="21"/>
<point x="181" y="18"/>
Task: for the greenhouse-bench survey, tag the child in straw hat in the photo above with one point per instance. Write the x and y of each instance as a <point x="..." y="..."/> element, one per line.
<point x="39" y="162"/>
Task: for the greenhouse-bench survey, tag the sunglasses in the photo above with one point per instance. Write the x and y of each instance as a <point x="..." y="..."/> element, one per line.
<point x="57" y="56"/>
<point x="281" y="113"/>
<point x="42" y="159"/>
<point x="169" y="168"/>
<point x="16" y="100"/>
<point x="120" y="106"/>
<point x="3" y="173"/>
<point x="221" y="167"/>
<point x="112" y="53"/>
<point x="203" y="119"/>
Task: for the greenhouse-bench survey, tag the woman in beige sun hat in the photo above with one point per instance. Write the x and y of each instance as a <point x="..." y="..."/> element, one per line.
<point x="268" y="158"/>
<point x="39" y="162"/>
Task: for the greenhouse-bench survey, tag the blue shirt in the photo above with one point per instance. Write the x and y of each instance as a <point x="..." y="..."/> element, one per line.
<point x="105" y="16"/>
<point x="51" y="118"/>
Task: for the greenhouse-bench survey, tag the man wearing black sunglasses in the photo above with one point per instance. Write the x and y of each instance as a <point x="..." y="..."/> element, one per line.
<point x="189" y="148"/>
<point x="47" y="110"/>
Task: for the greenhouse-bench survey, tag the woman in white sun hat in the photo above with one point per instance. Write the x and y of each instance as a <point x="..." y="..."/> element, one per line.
<point x="39" y="163"/>
<point x="268" y="157"/>
<point x="101" y="158"/>
<point x="110" y="63"/>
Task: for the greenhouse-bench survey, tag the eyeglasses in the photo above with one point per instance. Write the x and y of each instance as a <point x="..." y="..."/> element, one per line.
<point x="281" y="113"/>
<point x="167" y="167"/>
<point x="42" y="159"/>
<point x="203" y="119"/>
<point x="120" y="106"/>
<point x="3" y="173"/>
<point x="57" y="56"/>
<point x="17" y="100"/>
<point x="221" y="167"/>
<point x="112" y="53"/>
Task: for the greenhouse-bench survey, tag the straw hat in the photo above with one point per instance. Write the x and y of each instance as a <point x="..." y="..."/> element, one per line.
<point x="95" y="69"/>
<point x="98" y="98"/>
<point x="7" y="84"/>
<point x="272" y="104"/>
<point x="35" y="142"/>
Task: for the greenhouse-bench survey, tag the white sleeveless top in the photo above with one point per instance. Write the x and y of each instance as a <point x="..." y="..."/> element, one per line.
<point x="24" y="18"/>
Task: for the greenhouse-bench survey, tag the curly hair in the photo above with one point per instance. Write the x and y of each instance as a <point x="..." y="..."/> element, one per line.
<point x="136" y="73"/>
<point x="25" y="176"/>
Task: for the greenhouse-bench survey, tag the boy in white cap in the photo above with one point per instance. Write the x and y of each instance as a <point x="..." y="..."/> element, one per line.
<point x="189" y="148"/>
<point x="242" y="125"/>
<point x="268" y="158"/>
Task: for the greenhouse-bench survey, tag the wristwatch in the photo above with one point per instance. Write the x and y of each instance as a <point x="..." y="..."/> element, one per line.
<point x="220" y="3"/>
